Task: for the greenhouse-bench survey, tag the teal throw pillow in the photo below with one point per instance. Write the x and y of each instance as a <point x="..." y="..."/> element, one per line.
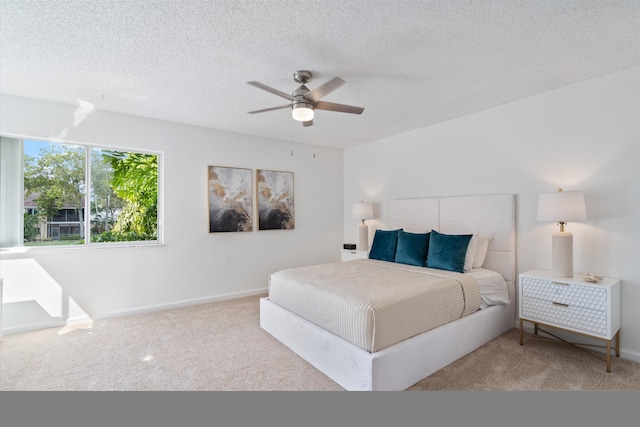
<point x="448" y="251"/>
<point x="384" y="245"/>
<point x="412" y="248"/>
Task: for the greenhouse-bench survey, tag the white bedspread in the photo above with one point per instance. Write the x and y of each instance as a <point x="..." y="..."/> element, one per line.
<point x="374" y="304"/>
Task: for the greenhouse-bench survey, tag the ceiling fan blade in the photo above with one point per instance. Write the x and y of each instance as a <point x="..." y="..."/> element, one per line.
<point x="307" y="123"/>
<point x="325" y="89"/>
<point x="270" y="109"/>
<point x="272" y="90"/>
<point x="332" y="106"/>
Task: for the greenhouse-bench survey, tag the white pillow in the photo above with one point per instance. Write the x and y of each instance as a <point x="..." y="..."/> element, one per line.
<point x="482" y="245"/>
<point x="469" y="258"/>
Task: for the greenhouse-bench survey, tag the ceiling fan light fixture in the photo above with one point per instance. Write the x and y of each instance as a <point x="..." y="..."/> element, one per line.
<point x="302" y="112"/>
<point x="304" y="102"/>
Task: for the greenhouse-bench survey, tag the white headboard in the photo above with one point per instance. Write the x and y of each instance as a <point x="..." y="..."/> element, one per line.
<point x="487" y="215"/>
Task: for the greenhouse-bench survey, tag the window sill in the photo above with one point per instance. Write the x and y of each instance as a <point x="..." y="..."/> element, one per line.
<point x="28" y="249"/>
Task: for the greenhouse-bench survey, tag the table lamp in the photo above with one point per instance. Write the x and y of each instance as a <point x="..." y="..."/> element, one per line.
<point x="561" y="207"/>
<point x="362" y="211"/>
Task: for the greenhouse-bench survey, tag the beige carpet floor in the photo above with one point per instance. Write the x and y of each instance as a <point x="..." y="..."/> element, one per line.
<point x="220" y="346"/>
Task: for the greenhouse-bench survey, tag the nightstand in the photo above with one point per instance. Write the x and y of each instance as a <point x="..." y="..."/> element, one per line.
<point x="571" y="304"/>
<point x="351" y="254"/>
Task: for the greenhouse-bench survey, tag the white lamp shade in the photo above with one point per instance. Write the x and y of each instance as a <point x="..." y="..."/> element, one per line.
<point x="302" y="112"/>
<point x="562" y="206"/>
<point x="362" y="211"/>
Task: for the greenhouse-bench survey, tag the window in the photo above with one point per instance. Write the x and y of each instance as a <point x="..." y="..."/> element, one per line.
<point x="67" y="194"/>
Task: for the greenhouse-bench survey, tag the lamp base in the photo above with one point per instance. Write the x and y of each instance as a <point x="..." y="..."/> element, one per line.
<point x="562" y="254"/>
<point x="363" y="241"/>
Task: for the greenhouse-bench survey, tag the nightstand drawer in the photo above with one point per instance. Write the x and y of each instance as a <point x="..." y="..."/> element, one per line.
<point x="591" y="321"/>
<point x="351" y="254"/>
<point x="572" y="294"/>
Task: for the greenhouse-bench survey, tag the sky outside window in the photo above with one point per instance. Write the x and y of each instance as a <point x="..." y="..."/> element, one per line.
<point x="32" y="148"/>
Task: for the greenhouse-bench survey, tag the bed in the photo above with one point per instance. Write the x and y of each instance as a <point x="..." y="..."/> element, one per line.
<point x="380" y="348"/>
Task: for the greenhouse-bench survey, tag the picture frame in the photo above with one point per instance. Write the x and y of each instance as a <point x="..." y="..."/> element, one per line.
<point x="230" y="199"/>
<point x="275" y="196"/>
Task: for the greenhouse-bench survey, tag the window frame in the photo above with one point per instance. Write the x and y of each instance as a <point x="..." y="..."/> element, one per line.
<point x="17" y="174"/>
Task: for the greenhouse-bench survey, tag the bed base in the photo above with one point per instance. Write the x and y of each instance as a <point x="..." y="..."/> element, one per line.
<point x="393" y="368"/>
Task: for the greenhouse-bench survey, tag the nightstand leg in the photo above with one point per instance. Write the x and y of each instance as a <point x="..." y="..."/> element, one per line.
<point x="521" y="332"/>
<point x="608" y="355"/>
<point x="618" y="343"/>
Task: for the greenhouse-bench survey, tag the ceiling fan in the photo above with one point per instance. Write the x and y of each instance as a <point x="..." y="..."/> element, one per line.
<point x="305" y="101"/>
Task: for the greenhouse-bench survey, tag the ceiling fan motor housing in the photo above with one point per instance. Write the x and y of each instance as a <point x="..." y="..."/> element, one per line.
<point x="299" y="94"/>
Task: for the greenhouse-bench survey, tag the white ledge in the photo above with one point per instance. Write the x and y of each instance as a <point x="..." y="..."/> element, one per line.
<point x="106" y="245"/>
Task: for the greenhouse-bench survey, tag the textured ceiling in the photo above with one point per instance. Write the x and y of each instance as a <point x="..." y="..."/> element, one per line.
<point x="410" y="64"/>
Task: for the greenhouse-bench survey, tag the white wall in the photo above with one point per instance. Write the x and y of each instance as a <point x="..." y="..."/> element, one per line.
<point x="583" y="137"/>
<point x="193" y="265"/>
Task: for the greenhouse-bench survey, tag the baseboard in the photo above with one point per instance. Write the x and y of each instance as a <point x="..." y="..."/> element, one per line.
<point x="27" y="327"/>
<point x="183" y="303"/>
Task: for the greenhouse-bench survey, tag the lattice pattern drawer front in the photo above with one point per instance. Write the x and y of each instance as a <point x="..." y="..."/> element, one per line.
<point x="574" y="317"/>
<point x="588" y="297"/>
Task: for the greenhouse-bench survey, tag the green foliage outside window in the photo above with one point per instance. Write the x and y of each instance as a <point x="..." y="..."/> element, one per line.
<point x="31" y="230"/>
<point x="135" y="180"/>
